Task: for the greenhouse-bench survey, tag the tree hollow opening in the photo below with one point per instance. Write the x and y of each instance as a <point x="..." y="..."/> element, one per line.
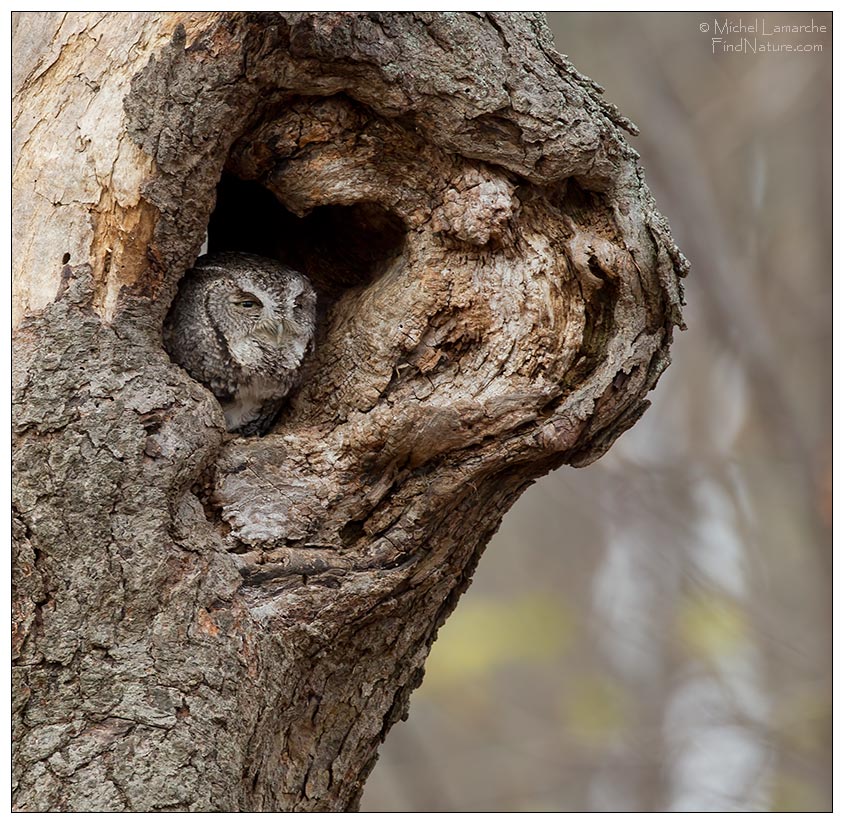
<point x="337" y="246"/>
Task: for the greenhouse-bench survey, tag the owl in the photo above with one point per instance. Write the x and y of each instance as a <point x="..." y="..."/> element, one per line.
<point x="241" y="324"/>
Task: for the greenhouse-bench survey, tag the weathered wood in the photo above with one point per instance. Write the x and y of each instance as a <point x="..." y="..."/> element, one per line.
<point x="205" y="622"/>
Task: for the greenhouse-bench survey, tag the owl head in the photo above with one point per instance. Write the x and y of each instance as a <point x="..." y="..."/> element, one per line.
<point x="263" y="310"/>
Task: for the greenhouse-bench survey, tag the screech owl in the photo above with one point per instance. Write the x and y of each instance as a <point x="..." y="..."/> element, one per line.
<point x="241" y="324"/>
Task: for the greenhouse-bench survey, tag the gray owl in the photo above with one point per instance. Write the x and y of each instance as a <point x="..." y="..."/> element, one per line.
<point x="241" y="324"/>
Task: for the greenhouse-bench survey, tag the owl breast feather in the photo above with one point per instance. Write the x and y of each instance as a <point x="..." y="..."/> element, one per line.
<point x="256" y="401"/>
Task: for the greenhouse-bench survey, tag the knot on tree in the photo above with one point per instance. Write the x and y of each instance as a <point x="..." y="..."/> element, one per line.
<point x="476" y="207"/>
<point x="502" y="327"/>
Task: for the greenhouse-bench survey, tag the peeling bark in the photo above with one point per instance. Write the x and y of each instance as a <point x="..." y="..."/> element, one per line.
<point x="208" y="622"/>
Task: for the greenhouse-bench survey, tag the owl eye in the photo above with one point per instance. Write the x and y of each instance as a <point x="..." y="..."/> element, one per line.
<point x="245" y="302"/>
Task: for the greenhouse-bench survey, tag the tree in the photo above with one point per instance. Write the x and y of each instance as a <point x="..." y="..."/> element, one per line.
<point x="210" y="622"/>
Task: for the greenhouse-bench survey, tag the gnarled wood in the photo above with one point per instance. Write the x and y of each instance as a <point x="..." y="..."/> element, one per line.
<point x="206" y="622"/>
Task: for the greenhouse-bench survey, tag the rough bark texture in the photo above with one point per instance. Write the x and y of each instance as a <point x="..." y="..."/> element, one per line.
<point x="204" y="622"/>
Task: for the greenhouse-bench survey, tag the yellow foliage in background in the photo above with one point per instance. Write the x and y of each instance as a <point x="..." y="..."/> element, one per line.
<point x="487" y="634"/>
<point x="710" y="626"/>
<point x="594" y="711"/>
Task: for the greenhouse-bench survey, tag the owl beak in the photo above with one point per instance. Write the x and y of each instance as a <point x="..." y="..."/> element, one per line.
<point x="270" y="331"/>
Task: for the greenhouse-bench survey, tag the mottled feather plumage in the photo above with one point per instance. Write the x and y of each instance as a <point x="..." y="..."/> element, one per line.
<point x="241" y="324"/>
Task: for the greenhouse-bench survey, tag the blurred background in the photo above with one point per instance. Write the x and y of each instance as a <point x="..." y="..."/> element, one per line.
<point x="654" y="632"/>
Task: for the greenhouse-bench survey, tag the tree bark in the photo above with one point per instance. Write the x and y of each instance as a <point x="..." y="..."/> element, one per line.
<point x="209" y="622"/>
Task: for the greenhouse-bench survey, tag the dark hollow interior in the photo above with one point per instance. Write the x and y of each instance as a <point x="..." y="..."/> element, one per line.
<point x="337" y="247"/>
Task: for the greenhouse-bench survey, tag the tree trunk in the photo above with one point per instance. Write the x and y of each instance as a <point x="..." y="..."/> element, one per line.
<point x="210" y="622"/>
